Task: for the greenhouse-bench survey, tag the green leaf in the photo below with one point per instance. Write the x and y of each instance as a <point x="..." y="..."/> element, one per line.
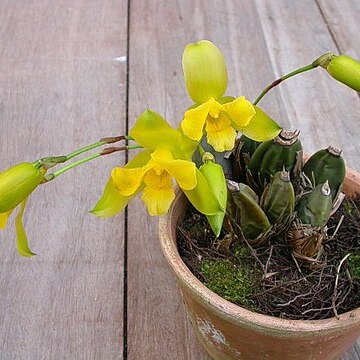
<point x="261" y="127"/>
<point x="202" y="197"/>
<point x="21" y="238"/>
<point x="253" y="220"/>
<point x="216" y="222"/>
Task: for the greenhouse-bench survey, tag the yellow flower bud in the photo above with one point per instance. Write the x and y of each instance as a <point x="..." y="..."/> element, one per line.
<point x="204" y="71"/>
<point x="346" y="70"/>
<point x="17" y="183"/>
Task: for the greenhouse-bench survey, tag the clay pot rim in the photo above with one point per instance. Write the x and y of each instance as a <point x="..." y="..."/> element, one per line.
<point x="235" y="313"/>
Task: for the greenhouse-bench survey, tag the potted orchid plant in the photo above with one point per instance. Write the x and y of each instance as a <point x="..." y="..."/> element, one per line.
<point x="244" y="176"/>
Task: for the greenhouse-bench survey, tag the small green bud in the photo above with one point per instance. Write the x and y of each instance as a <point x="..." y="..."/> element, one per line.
<point x="279" y="199"/>
<point x="323" y="60"/>
<point x="346" y="70"/>
<point x="17" y="183"/>
<point x="207" y="157"/>
<point x="204" y="71"/>
<point x="244" y="149"/>
<point x="314" y="208"/>
<point x="253" y="220"/>
<point x="284" y="152"/>
<point x="326" y="164"/>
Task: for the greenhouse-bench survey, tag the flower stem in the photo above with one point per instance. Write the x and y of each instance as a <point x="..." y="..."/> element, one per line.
<point x="105" y="151"/>
<point x="104" y="141"/>
<point x="85" y="149"/>
<point x="284" y="77"/>
<point x="201" y="150"/>
<point x="70" y="166"/>
<point x="132" y="147"/>
<point x="51" y="161"/>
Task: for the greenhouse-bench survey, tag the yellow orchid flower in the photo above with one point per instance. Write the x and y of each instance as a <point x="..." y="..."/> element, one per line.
<point x="221" y="117"/>
<point x="167" y="158"/>
<point x="16" y="184"/>
<point x="155" y="179"/>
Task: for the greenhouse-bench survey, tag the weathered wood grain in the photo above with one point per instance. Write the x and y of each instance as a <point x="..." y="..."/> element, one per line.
<point x="157" y="324"/>
<point x="326" y="111"/>
<point x="62" y="87"/>
<point x="248" y="42"/>
<point x="342" y="18"/>
<point x="343" y="22"/>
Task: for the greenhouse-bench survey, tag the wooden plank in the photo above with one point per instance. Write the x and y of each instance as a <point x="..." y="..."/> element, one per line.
<point x="326" y="111"/>
<point x="157" y="324"/>
<point x="353" y="352"/>
<point x="332" y="117"/>
<point x="62" y="80"/>
<point x="342" y="18"/>
<point x="343" y="22"/>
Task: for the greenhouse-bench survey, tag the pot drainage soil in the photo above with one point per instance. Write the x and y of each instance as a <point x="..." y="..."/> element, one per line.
<point x="268" y="279"/>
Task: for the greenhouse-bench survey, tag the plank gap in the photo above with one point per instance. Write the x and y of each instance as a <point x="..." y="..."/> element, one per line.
<point x="328" y="26"/>
<point x="125" y="280"/>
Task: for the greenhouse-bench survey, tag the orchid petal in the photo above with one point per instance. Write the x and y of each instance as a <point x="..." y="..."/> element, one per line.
<point x="158" y="193"/>
<point x="21" y="238"/>
<point x="127" y="181"/>
<point x="139" y="160"/>
<point x="261" y="127"/>
<point x="183" y="171"/>
<point x="202" y="197"/>
<point x="194" y="120"/>
<point x="111" y="201"/>
<point x="152" y="131"/>
<point x="4" y="218"/>
<point x="240" y="111"/>
<point x="220" y="135"/>
<point x="188" y="146"/>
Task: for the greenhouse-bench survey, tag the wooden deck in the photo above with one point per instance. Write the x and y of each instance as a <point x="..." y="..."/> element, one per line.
<point x="72" y="72"/>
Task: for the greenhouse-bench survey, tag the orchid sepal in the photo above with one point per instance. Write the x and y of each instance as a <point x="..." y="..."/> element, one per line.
<point x="204" y="71"/>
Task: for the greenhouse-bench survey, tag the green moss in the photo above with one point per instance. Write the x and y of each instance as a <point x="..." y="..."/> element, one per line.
<point x="241" y="251"/>
<point x="229" y="281"/>
<point x="348" y="207"/>
<point x="354" y="265"/>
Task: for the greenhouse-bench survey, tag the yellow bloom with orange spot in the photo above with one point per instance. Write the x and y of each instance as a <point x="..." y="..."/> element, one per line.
<point x="220" y="117"/>
<point x="220" y="121"/>
<point x="155" y="179"/>
<point x="166" y="159"/>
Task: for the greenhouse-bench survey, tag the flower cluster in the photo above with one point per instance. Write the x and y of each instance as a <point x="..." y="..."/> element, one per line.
<point x="167" y="154"/>
<point x="166" y="158"/>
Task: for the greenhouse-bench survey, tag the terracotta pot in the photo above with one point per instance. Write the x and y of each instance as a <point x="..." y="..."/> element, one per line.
<point x="228" y="331"/>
